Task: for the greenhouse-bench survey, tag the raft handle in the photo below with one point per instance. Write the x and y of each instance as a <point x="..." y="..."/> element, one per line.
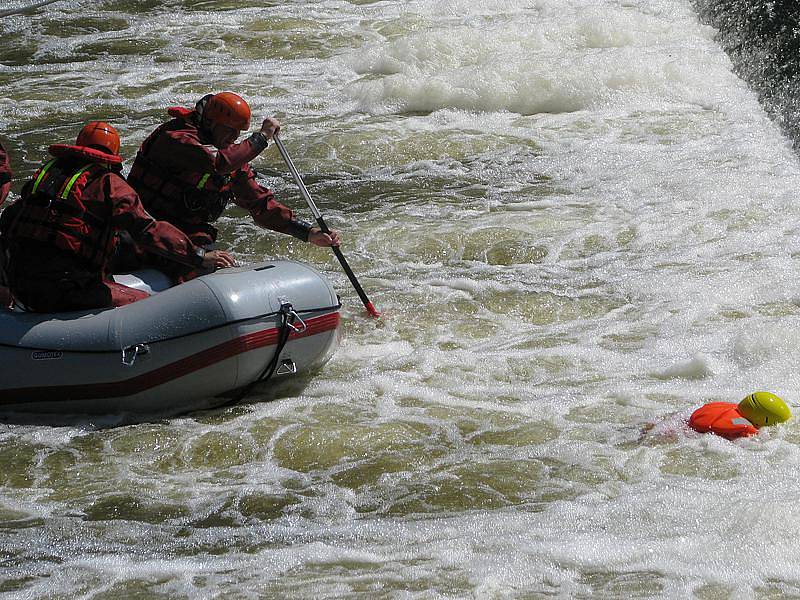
<point x="295" y="317"/>
<point x="292" y="317"/>
<point x="130" y="353"/>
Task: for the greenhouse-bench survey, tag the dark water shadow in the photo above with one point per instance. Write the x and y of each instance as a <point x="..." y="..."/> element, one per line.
<point x="220" y="408"/>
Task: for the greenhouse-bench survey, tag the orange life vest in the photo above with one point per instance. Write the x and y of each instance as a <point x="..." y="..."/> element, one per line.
<point x="722" y="419"/>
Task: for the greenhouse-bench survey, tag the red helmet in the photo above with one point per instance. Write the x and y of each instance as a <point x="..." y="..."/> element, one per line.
<point x="229" y="109"/>
<point x="101" y="135"/>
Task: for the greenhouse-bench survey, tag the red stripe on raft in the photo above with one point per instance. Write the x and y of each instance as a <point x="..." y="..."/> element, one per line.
<point x="167" y="373"/>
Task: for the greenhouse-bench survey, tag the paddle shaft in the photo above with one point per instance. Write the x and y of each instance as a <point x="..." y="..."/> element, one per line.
<point x="324" y="227"/>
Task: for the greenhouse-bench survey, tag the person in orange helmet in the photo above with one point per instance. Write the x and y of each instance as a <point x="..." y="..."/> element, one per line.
<point x="728" y="420"/>
<point x="190" y="168"/>
<point x="744" y="419"/>
<point x="60" y="235"/>
<point x="5" y="174"/>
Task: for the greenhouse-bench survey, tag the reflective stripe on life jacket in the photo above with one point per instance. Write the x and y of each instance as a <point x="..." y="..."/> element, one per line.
<point x="54" y="210"/>
<point x="177" y="196"/>
<point x="723" y="419"/>
<point x="67" y="184"/>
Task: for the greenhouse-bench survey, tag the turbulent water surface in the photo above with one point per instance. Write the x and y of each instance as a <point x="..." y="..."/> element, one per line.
<point x="577" y="221"/>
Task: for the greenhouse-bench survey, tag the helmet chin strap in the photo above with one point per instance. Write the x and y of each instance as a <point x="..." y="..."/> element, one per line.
<point x="202" y="125"/>
<point x="201" y="104"/>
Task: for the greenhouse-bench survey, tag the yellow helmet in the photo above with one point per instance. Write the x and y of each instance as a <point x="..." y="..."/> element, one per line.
<point x="764" y="408"/>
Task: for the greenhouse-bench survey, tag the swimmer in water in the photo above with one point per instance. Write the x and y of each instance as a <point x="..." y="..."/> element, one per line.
<point x="733" y="421"/>
<point x="725" y="419"/>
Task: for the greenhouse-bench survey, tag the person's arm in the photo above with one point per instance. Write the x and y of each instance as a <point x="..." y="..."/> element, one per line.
<point x="183" y="151"/>
<point x="265" y="210"/>
<point x="158" y="237"/>
<point x="236" y="156"/>
<point x="271" y="214"/>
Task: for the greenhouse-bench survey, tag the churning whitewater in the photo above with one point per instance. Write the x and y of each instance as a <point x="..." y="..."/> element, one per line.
<point x="578" y="224"/>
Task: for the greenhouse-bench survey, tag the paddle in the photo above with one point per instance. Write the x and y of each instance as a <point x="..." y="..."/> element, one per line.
<point x="321" y="222"/>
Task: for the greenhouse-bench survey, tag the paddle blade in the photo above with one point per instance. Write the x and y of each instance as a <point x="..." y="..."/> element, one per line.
<point x="371" y="310"/>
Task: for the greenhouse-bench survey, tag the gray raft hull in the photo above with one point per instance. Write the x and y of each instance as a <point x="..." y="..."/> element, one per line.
<point x="185" y="348"/>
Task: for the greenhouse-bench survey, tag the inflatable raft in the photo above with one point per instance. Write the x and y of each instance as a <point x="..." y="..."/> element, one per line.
<point x="188" y="347"/>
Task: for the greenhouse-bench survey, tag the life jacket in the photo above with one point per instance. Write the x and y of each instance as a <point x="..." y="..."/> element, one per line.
<point x="722" y="419"/>
<point x="174" y="195"/>
<point x="53" y="208"/>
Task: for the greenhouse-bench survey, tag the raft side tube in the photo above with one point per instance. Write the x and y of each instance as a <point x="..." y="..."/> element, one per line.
<point x="182" y="349"/>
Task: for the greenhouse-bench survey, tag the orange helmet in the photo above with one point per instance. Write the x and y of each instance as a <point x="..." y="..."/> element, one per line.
<point x="229" y="109"/>
<point x="100" y="134"/>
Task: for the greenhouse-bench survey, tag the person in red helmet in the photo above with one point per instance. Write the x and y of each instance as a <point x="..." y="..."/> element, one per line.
<point x="5" y="174"/>
<point x="190" y="168"/>
<point x="60" y="234"/>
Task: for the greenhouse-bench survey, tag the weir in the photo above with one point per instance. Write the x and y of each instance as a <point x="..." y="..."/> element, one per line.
<point x="762" y="38"/>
